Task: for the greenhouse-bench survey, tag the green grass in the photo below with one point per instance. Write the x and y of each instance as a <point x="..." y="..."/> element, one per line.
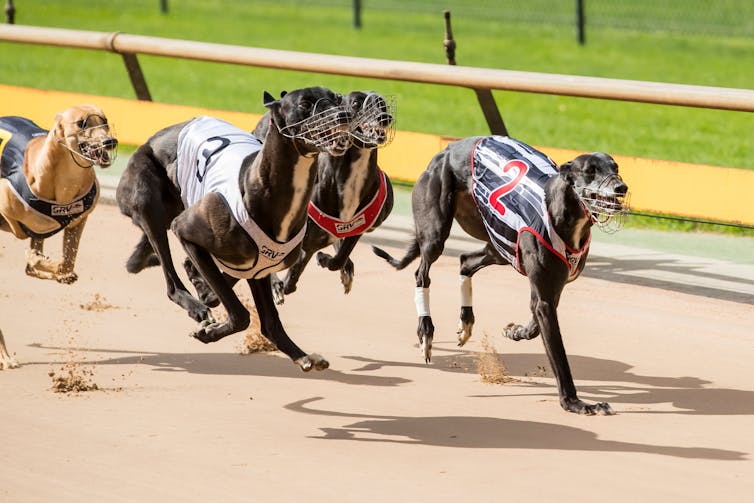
<point x="484" y="39"/>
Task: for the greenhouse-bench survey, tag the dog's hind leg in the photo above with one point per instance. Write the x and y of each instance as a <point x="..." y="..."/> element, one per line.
<point x="6" y="360"/>
<point x="154" y="225"/>
<point x="433" y="223"/>
<point x="470" y="264"/>
<point x="272" y="328"/>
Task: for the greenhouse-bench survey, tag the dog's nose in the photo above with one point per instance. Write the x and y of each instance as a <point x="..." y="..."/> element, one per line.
<point x="621" y="188"/>
<point x="385" y="119"/>
<point x="110" y="142"/>
<point x="345" y="115"/>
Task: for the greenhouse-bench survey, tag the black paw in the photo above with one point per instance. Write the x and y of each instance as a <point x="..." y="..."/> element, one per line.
<point x="323" y="259"/>
<point x="580" y="407"/>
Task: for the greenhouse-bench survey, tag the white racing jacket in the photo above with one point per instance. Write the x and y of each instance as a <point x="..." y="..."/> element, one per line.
<point x="210" y="153"/>
<point x="508" y="180"/>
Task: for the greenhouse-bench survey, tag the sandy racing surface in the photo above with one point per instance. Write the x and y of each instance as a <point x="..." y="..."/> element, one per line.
<point x="176" y="420"/>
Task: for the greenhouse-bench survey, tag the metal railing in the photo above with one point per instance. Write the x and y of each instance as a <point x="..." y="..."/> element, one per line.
<point x="460" y="76"/>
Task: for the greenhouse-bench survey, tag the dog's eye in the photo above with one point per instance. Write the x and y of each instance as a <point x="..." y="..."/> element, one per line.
<point x="81" y="124"/>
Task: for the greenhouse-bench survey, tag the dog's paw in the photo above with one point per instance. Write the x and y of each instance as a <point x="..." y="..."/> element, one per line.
<point x="463" y="332"/>
<point x="8" y="362"/>
<point x="580" y="407"/>
<point x="323" y="260"/>
<point x="38" y="273"/>
<point x="204" y="332"/>
<point x="346" y="279"/>
<point x="67" y="279"/>
<point x="312" y="361"/>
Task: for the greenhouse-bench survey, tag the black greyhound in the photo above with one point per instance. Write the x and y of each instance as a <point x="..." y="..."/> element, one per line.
<point x="531" y="214"/>
<point x="351" y="196"/>
<point x="245" y="206"/>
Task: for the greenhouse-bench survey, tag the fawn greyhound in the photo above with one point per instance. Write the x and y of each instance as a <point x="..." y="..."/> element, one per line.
<point x="245" y="206"/>
<point x="531" y="214"/>
<point x="48" y="185"/>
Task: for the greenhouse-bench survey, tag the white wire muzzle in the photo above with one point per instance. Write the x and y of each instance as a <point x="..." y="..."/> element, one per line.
<point x="374" y="123"/>
<point x="326" y="131"/>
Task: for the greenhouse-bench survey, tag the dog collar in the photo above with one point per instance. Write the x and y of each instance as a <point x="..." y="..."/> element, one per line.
<point x="360" y="223"/>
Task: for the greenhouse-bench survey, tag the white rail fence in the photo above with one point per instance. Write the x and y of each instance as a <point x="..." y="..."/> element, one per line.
<point x="460" y="76"/>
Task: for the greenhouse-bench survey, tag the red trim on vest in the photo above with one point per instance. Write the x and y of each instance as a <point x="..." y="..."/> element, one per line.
<point x="571" y="259"/>
<point x="360" y="223"/>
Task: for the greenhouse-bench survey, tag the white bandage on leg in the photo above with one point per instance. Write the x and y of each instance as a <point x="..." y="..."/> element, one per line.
<point x="421" y="298"/>
<point x="465" y="282"/>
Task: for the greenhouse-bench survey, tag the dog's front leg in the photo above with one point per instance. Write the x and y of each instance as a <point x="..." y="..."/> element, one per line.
<point x="39" y="265"/>
<point x="341" y="261"/>
<point x="238" y="315"/>
<point x="71" y="239"/>
<point x="6" y="360"/>
<point x="545" y="313"/>
<point x="288" y="285"/>
<point x="530" y="331"/>
<point x="272" y="328"/>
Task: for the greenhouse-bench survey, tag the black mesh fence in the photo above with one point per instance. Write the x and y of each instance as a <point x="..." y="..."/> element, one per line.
<point x="729" y="18"/>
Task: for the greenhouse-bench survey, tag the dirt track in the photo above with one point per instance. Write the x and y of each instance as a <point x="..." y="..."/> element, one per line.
<point x="176" y="420"/>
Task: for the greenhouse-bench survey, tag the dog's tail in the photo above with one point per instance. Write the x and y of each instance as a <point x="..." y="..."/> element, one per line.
<point x="411" y="254"/>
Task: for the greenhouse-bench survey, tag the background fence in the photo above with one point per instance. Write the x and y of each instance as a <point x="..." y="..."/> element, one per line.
<point x="733" y="18"/>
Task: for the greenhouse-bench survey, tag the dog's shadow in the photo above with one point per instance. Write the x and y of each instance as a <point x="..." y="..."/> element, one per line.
<point x="472" y="432"/>
<point x="623" y="271"/>
<point x="689" y="395"/>
<point x="232" y="364"/>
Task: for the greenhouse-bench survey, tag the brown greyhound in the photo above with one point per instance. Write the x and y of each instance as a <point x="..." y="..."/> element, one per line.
<point x="48" y="185"/>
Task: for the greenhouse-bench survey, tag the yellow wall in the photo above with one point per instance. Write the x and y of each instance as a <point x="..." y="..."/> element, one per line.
<point x="675" y="188"/>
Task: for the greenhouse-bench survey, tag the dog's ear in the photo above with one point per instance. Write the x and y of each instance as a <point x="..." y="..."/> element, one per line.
<point x="57" y="126"/>
<point x="268" y="100"/>
<point x="282" y="94"/>
<point x="566" y="171"/>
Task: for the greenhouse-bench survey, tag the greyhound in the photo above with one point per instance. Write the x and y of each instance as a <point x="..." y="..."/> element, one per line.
<point x="531" y="214"/>
<point x="245" y="206"/>
<point x="48" y="185"/>
<point x="352" y="195"/>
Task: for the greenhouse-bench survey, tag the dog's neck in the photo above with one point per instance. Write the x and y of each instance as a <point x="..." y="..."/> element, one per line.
<point x="52" y="173"/>
<point x="353" y="178"/>
<point x="567" y="214"/>
<point x="278" y="185"/>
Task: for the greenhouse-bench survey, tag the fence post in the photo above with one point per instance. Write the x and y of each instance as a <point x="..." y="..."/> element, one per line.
<point x="10" y="12"/>
<point x="580" y="21"/>
<point x="483" y="96"/>
<point x="357" y="14"/>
